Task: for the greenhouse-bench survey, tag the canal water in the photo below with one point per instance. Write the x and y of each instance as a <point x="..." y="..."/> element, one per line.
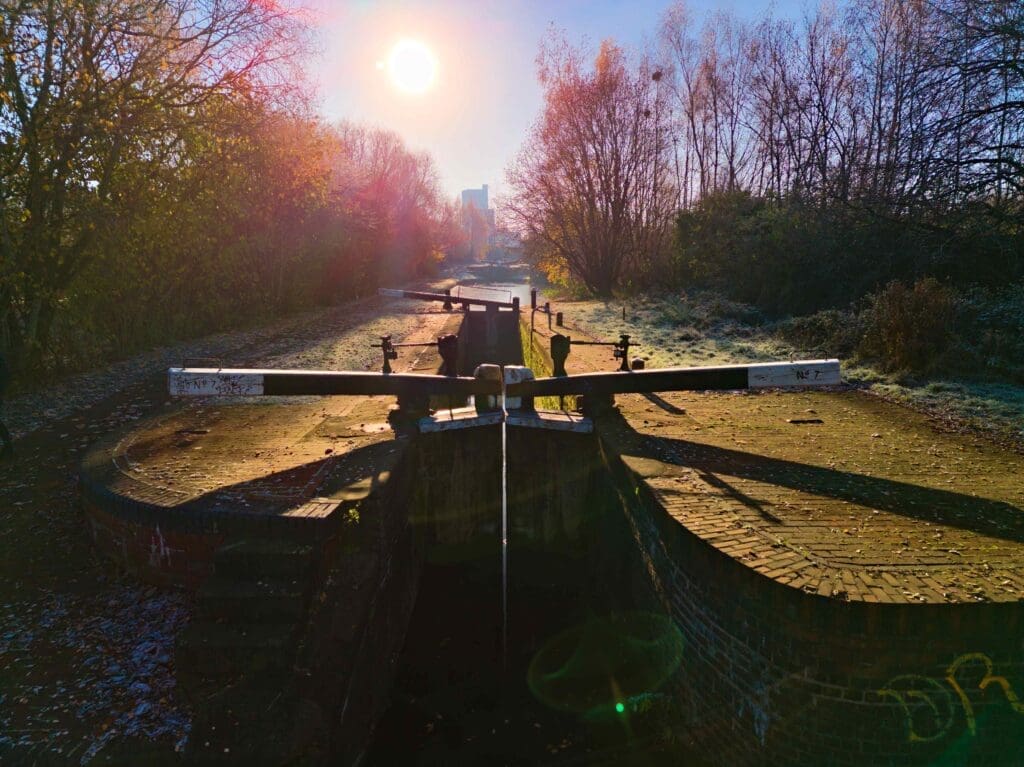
<point x="581" y="681"/>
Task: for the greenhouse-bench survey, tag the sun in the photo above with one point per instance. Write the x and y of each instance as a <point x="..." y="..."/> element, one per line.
<point x="412" y="66"/>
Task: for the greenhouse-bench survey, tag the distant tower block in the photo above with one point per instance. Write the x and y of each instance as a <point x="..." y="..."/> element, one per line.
<point x="477" y="219"/>
<point x="475" y="197"/>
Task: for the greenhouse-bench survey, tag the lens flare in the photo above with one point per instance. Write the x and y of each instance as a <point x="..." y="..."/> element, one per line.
<point x="412" y="66"/>
<point x="606" y="662"/>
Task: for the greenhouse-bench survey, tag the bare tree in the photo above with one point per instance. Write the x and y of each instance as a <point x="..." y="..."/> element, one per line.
<point x="592" y="188"/>
<point x="983" y="54"/>
<point x="398" y="192"/>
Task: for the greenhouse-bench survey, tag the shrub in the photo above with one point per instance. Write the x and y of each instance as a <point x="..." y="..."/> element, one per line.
<point x="990" y="324"/>
<point x="907" y="328"/>
<point x="831" y="331"/>
<point x="790" y="257"/>
<point x="723" y="308"/>
<point x="784" y="257"/>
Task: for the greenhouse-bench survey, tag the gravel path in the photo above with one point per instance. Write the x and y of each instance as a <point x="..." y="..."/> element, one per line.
<point x="335" y="337"/>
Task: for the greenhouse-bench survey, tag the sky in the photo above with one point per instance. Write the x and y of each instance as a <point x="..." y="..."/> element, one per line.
<point x="484" y="97"/>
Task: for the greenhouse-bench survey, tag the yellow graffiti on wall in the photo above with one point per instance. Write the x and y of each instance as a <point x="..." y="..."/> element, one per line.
<point x="911" y="690"/>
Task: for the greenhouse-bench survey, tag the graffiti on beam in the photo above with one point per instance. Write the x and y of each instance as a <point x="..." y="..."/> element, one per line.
<point x="939" y="700"/>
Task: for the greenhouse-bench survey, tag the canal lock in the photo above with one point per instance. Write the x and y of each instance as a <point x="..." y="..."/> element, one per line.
<point x="563" y="661"/>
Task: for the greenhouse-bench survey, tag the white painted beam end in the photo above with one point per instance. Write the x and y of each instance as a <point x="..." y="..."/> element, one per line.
<point x="793" y="374"/>
<point x="213" y="382"/>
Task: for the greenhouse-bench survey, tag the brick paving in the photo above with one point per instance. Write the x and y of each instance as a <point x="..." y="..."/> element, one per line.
<point x="836" y="493"/>
<point x="267" y="456"/>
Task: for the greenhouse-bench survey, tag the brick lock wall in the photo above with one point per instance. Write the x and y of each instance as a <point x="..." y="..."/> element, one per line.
<point x="175" y="545"/>
<point x="776" y="676"/>
<point x="357" y="623"/>
<point x="163" y="540"/>
<point x="161" y="555"/>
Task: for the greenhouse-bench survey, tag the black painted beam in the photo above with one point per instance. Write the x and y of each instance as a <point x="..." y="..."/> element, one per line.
<point x="445" y="298"/>
<point x="724" y="377"/>
<point x="245" y="382"/>
<point x="200" y="382"/>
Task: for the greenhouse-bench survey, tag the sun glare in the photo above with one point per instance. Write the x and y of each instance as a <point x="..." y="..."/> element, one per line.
<point x="412" y="66"/>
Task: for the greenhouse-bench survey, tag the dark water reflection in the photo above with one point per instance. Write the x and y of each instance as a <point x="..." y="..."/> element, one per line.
<point x="455" y="703"/>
